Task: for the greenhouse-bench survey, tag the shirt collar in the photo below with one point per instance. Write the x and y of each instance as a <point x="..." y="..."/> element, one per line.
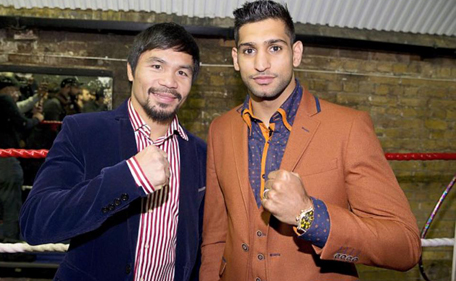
<point x="287" y="110"/>
<point x="139" y="125"/>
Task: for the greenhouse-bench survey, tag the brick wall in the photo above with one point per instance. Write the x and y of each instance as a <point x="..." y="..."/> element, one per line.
<point x="412" y="101"/>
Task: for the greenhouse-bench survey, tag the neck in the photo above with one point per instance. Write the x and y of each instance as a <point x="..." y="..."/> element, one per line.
<point x="263" y="109"/>
<point x="157" y="129"/>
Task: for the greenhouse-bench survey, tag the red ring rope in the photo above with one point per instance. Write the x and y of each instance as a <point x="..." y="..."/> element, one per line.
<point x="420" y="156"/>
<point x="41" y="153"/>
<point x="50" y="122"/>
<point x="23" y="153"/>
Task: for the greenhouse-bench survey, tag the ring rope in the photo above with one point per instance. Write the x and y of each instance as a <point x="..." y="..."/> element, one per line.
<point x="50" y="122"/>
<point x="24" y="247"/>
<point x="437" y="242"/>
<point x="23" y="153"/>
<point x="420" y="156"/>
<point x="41" y="153"/>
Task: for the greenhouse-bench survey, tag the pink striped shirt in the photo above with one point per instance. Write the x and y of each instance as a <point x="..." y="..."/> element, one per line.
<point x="156" y="246"/>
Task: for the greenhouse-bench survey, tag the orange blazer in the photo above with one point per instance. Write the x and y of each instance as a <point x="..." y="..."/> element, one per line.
<point x="340" y="160"/>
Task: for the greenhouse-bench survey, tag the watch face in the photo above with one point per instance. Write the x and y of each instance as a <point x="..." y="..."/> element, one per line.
<point x="306" y="220"/>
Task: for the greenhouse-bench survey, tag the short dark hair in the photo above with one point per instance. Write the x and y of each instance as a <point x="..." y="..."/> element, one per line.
<point x="261" y="10"/>
<point x="165" y="36"/>
<point x="6" y="81"/>
<point x="72" y="81"/>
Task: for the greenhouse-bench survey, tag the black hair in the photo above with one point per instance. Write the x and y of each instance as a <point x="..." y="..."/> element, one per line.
<point x="6" y="81"/>
<point x="261" y="10"/>
<point x="164" y="36"/>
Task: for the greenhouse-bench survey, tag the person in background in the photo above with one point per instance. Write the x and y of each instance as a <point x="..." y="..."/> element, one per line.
<point x="12" y="124"/>
<point x="298" y="188"/>
<point x="97" y="100"/>
<point x="126" y="186"/>
<point x="71" y="87"/>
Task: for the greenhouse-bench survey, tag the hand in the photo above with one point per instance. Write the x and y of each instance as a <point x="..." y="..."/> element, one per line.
<point x="155" y="166"/>
<point x="38" y="116"/>
<point x="38" y="108"/>
<point x="285" y="196"/>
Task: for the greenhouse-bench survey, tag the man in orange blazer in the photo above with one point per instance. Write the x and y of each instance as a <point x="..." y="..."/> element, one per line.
<point x="297" y="188"/>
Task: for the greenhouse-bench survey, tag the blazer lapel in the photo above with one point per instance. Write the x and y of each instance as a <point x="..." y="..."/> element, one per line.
<point x="303" y="130"/>
<point x="188" y="206"/>
<point x="127" y="148"/>
<point x="240" y="151"/>
<point x="127" y="141"/>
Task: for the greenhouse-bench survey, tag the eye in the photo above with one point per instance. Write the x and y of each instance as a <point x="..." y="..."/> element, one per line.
<point x="275" y="48"/>
<point x="248" y="51"/>
<point x="156" y="66"/>
<point x="183" y="73"/>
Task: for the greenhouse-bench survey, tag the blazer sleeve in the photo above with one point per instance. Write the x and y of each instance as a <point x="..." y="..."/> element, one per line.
<point x="215" y="226"/>
<point x="63" y="203"/>
<point x="379" y="228"/>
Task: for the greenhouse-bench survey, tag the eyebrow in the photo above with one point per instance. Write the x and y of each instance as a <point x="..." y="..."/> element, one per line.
<point x="267" y="42"/>
<point x="160" y="60"/>
<point x="155" y="59"/>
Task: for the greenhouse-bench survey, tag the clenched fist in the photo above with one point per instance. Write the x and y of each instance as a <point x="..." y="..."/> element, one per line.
<point x="285" y="196"/>
<point x="155" y="165"/>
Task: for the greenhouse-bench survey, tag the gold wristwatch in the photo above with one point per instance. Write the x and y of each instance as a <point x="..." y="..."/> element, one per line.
<point x="304" y="220"/>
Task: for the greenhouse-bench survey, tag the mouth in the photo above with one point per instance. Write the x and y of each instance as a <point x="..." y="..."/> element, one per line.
<point x="263" y="79"/>
<point x="165" y="96"/>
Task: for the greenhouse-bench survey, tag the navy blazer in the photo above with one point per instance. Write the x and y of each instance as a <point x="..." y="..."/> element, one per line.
<point x="85" y="192"/>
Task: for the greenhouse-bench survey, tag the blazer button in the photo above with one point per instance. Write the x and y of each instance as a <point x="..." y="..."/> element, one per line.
<point x="117" y="201"/>
<point x="259" y="233"/>
<point x="128" y="269"/>
<point x="104" y="210"/>
<point x="260" y="257"/>
<point x="245" y="247"/>
<point x="258" y="279"/>
<point x="111" y="207"/>
<point x="124" y="197"/>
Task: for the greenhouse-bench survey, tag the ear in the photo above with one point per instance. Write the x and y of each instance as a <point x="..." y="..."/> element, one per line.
<point x="298" y="48"/>
<point x="130" y="73"/>
<point x="234" y="54"/>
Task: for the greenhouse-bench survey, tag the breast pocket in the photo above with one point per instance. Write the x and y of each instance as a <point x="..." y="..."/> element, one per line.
<point x="318" y="167"/>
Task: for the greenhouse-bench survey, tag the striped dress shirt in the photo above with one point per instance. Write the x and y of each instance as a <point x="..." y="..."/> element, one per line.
<point x="156" y="246"/>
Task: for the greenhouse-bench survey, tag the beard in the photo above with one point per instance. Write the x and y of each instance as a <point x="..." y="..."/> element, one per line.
<point x="270" y="94"/>
<point x="161" y="112"/>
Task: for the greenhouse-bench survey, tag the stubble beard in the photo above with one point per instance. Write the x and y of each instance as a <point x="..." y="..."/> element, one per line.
<point x="268" y="95"/>
<point x="159" y="112"/>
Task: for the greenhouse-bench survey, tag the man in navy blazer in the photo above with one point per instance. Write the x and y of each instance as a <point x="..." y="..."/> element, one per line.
<point x="94" y="188"/>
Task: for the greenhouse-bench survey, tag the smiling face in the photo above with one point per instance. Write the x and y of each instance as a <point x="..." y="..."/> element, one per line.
<point x="265" y="58"/>
<point x="161" y="83"/>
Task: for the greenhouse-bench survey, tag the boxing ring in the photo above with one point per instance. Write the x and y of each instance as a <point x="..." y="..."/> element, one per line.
<point x="436" y="242"/>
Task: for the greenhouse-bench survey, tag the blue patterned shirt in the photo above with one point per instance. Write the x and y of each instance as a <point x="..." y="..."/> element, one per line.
<point x="266" y="148"/>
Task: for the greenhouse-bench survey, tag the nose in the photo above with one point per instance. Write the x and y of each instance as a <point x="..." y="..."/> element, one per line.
<point x="262" y="61"/>
<point x="168" y="80"/>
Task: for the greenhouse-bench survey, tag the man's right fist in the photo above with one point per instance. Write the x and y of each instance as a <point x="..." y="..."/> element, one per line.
<point x="155" y="165"/>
